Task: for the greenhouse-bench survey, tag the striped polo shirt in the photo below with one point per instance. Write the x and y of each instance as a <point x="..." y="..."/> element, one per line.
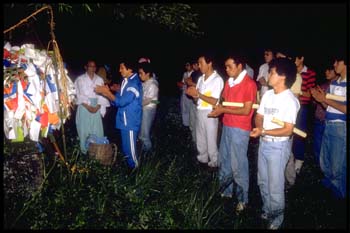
<point x="337" y="87"/>
<point x="308" y="81"/>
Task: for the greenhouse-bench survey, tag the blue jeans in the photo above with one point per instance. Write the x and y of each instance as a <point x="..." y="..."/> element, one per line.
<point x="333" y="156"/>
<point x="318" y="133"/>
<point x="272" y="160"/>
<point x="233" y="161"/>
<point x="148" y="116"/>
<point x="298" y="141"/>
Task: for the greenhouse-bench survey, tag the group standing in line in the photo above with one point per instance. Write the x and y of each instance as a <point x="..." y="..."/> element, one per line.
<point x="284" y="89"/>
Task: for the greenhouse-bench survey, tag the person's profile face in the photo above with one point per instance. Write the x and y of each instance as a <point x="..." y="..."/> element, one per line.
<point x="143" y="76"/>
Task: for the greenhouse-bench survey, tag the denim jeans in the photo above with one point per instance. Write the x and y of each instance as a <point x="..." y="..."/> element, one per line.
<point x="272" y="160"/>
<point x="317" y="134"/>
<point x="148" y="115"/>
<point x="333" y="156"/>
<point x="233" y="162"/>
<point x="301" y="123"/>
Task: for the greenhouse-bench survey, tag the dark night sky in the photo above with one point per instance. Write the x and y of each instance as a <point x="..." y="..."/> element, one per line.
<point x="320" y="30"/>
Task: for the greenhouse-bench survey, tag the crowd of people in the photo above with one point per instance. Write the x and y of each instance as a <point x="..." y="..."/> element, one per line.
<point x="286" y="97"/>
<point x="135" y="99"/>
<point x="223" y="112"/>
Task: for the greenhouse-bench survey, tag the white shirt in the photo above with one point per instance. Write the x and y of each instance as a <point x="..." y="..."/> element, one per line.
<point x="85" y="89"/>
<point x="184" y="76"/>
<point x="250" y="71"/>
<point x="283" y="106"/>
<point x="263" y="73"/>
<point x="150" y="92"/>
<point x="211" y="87"/>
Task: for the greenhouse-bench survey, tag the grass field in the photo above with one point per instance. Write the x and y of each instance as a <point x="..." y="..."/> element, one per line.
<point x="170" y="190"/>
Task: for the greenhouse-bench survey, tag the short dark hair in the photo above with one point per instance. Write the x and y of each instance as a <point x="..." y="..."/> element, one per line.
<point x="90" y="60"/>
<point x="147" y="68"/>
<point x="329" y="67"/>
<point x="269" y="50"/>
<point x="238" y="59"/>
<point x="130" y="63"/>
<point x="284" y="67"/>
<point x="340" y="57"/>
<point x="208" y="56"/>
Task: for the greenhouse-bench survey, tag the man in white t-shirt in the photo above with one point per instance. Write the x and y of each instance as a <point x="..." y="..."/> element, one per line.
<point x="207" y="92"/>
<point x="275" y="140"/>
<point x="264" y="71"/>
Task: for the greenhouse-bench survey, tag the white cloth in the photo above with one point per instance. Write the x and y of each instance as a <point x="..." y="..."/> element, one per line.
<point x="185" y="75"/>
<point x="283" y="106"/>
<point x="85" y="86"/>
<point x="263" y="73"/>
<point x="232" y="82"/>
<point x="250" y="71"/>
<point x="150" y="92"/>
<point x="34" y="131"/>
<point x="211" y="87"/>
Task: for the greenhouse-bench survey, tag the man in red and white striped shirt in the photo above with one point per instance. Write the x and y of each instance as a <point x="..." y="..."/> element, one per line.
<point x="308" y="82"/>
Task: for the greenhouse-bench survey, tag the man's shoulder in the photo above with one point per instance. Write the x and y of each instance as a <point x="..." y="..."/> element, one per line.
<point x="99" y="78"/>
<point x="264" y="66"/>
<point x="135" y="81"/>
<point x="290" y="96"/>
<point x="218" y="77"/>
<point x="309" y="72"/>
<point x="80" y="77"/>
<point x="249" y="80"/>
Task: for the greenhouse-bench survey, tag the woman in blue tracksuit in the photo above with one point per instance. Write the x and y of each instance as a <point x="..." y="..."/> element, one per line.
<point x="129" y="116"/>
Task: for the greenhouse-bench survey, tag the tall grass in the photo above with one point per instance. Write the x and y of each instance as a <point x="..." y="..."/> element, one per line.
<point x="169" y="190"/>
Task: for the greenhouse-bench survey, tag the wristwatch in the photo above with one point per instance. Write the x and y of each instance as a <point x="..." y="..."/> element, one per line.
<point x="263" y="132"/>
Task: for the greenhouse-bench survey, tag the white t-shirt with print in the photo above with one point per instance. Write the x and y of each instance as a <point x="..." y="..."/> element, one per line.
<point x="283" y="106"/>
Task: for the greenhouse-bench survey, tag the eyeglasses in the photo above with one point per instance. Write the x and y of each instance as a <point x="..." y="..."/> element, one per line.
<point x="92" y="66"/>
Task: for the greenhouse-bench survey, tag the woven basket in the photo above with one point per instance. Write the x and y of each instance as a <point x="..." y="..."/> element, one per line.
<point x="106" y="154"/>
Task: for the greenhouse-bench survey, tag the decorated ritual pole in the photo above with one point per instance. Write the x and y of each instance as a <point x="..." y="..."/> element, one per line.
<point x="58" y="65"/>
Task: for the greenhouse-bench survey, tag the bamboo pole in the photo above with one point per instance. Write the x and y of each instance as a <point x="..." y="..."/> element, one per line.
<point x="274" y="120"/>
<point x="335" y="97"/>
<point x="57" y="62"/>
<point x="237" y="104"/>
<point x="295" y="130"/>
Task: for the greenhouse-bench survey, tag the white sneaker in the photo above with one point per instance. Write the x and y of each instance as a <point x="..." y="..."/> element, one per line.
<point x="273" y="227"/>
<point x="297" y="165"/>
<point x="212" y="164"/>
<point x="202" y="159"/>
<point x="264" y="216"/>
<point x="240" y="207"/>
<point x="225" y="195"/>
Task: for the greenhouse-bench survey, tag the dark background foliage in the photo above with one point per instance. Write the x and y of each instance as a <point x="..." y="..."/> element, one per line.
<point x="318" y="30"/>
